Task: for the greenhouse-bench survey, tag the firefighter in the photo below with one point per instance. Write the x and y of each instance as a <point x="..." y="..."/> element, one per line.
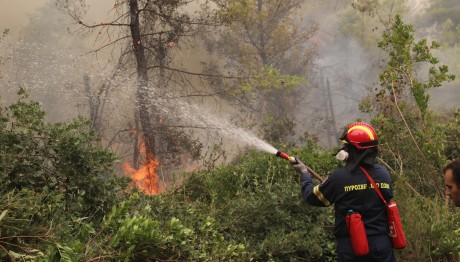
<point x="349" y="189"/>
<point x="452" y="181"/>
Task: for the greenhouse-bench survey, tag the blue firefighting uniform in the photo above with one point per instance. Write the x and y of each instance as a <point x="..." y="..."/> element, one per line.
<point x="352" y="190"/>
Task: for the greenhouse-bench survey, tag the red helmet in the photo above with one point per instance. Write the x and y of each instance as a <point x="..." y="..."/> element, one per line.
<point x="361" y="135"/>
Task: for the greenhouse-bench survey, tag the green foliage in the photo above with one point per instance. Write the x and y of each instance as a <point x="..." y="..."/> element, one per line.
<point x="256" y="199"/>
<point x="270" y="78"/>
<point x="17" y="230"/>
<point x="404" y="53"/>
<point x="274" y="94"/>
<point x="275" y="129"/>
<point x="409" y="134"/>
<point x="132" y="233"/>
<point x="58" y="158"/>
<point x="431" y="227"/>
<point x="265" y="46"/>
<point x="451" y="128"/>
<point x="29" y="228"/>
<point x="50" y="174"/>
<point x="247" y="210"/>
<point x="416" y="143"/>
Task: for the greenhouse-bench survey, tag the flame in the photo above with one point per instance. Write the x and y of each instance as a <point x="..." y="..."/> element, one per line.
<point x="144" y="178"/>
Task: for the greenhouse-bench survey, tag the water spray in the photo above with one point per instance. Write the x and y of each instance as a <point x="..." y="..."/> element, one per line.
<point x="294" y="161"/>
<point x="196" y="114"/>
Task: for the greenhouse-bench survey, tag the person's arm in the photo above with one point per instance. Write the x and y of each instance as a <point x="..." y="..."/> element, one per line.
<point x="311" y="193"/>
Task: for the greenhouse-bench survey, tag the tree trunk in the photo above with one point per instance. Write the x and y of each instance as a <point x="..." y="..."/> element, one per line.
<point x="143" y="102"/>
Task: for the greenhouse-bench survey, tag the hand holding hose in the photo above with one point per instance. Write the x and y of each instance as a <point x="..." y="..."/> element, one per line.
<point x="301" y="168"/>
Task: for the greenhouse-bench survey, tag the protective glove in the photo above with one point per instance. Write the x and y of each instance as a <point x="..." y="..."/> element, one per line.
<point x="300" y="167"/>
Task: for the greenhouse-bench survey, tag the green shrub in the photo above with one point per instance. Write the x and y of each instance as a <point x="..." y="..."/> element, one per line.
<point x="59" y="158"/>
<point x="257" y="201"/>
<point x="52" y="177"/>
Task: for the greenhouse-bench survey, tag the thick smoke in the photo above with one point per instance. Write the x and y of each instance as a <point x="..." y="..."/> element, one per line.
<point x="351" y="62"/>
<point x="45" y="53"/>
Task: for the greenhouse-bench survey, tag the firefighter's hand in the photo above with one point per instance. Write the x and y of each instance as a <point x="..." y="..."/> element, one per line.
<point x="300" y="167"/>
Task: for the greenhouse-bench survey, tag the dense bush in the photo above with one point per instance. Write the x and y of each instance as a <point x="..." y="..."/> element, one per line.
<point x="249" y="210"/>
<point x="59" y="158"/>
<point x="58" y="167"/>
<point x="257" y="201"/>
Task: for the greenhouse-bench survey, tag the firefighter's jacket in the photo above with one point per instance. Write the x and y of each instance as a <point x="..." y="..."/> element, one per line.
<point x="353" y="191"/>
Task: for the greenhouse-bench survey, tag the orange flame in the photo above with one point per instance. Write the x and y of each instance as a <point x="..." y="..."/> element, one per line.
<point x="144" y="178"/>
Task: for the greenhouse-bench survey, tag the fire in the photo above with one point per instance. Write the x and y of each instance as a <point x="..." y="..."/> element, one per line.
<point x="144" y="178"/>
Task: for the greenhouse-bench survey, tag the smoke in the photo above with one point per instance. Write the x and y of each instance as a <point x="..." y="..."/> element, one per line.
<point x="350" y="61"/>
<point x="44" y="52"/>
<point x="15" y="14"/>
<point x="344" y="73"/>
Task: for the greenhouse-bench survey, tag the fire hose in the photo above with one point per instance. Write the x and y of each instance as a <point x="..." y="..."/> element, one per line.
<point x="294" y="160"/>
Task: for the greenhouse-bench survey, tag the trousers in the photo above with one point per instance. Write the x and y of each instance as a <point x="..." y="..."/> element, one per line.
<point x="380" y="250"/>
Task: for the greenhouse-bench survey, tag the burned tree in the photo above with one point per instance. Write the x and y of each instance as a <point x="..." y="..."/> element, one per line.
<point x="152" y="31"/>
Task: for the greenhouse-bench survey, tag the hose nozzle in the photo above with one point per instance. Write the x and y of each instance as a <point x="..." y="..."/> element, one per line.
<point x="294" y="160"/>
<point x="291" y="159"/>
